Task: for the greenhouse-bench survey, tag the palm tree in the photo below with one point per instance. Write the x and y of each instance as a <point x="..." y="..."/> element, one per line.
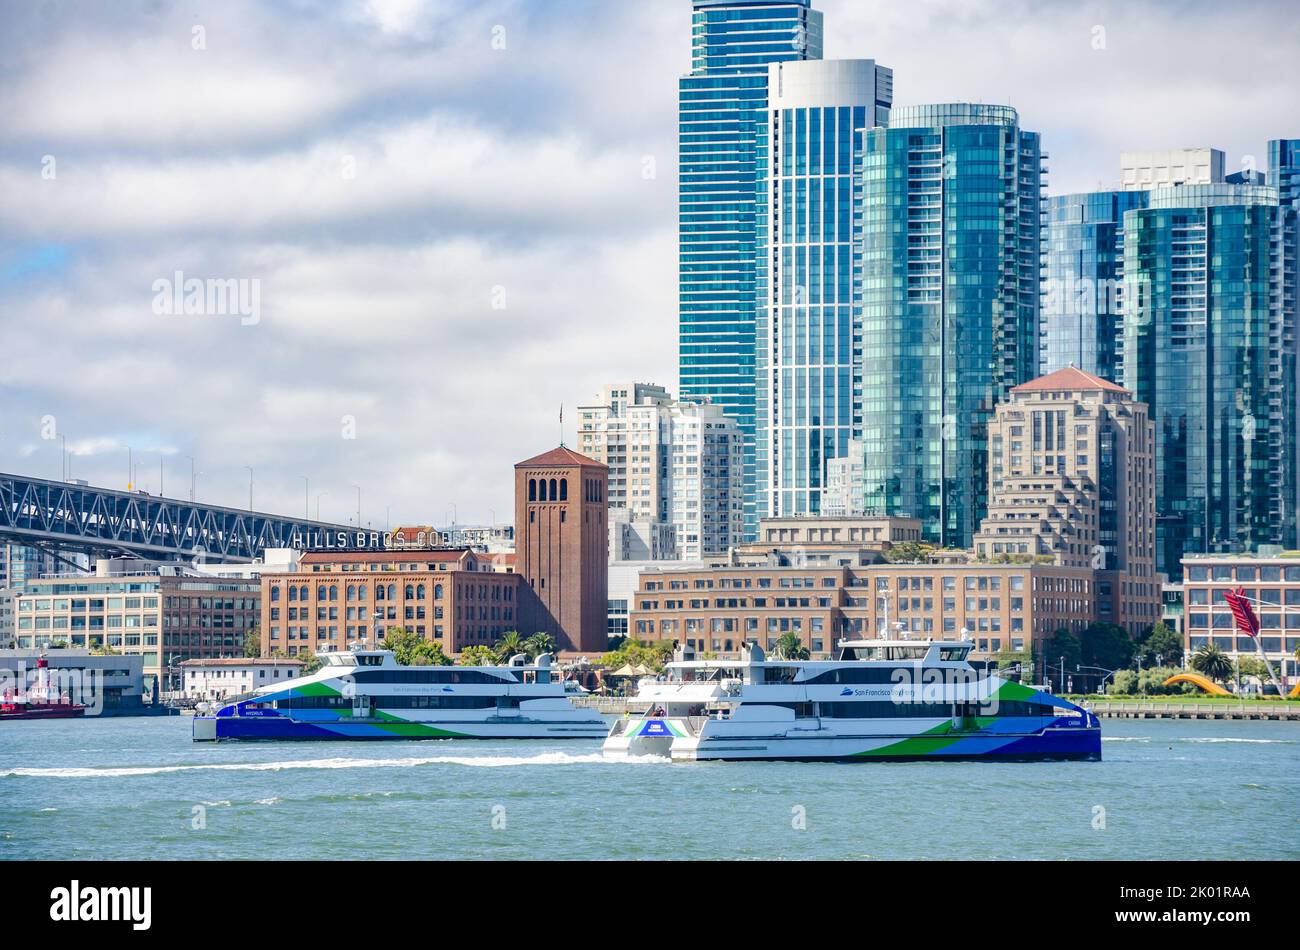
<point x="538" y="644"/>
<point x="790" y="647"/>
<point x="510" y="644"/>
<point x="1212" y="662"/>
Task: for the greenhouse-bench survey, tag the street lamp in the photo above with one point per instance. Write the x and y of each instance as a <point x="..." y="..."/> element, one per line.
<point x="306" y="496"/>
<point x="250" y="486"/>
<point x="358" y="488"/>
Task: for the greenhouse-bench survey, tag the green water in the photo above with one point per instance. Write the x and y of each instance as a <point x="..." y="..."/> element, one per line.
<point x="139" y="788"/>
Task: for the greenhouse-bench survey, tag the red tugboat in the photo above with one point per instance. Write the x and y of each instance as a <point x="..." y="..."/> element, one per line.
<point x="42" y="700"/>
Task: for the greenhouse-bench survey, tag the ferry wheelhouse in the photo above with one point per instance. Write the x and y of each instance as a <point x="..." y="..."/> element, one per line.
<point x="878" y="700"/>
<point x="366" y="694"/>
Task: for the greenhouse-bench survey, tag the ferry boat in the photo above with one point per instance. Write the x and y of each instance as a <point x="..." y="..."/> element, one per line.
<point x="366" y="694"/>
<point x="42" y="700"/>
<point x="878" y="700"/>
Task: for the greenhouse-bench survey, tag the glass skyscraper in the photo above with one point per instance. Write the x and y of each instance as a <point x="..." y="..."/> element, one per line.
<point x="722" y="105"/>
<point x="1210" y="347"/>
<point x="951" y="227"/>
<point x="809" y="345"/>
<point x="1083" y="282"/>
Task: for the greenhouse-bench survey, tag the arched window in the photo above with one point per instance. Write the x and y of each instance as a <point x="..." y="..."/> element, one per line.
<point x="321" y="592"/>
<point x="293" y="593"/>
<point x="361" y="592"/>
<point x="564" y="489"/>
<point x="541" y="489"/>
<point x="437" y="592"/>
<point x="392" y="591"/>
<point x="554" y="495"/>
<point x="379" y="592"/>
<point x="302" y="593"/>
<point x="410" y="591"/>
<point x="419" y="591"/>
<point x="532" y="489"/>
<point x="352" y="592"/>
<point x="334" y="592"/>
<point x="275" y="594"/>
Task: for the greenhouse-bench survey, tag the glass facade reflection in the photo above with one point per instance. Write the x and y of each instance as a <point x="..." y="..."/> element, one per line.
<point x="722" y="105"/>
<point x="1083" y="282"/>
<point x="950" y="261"/>
<point x="808" y="401"/>
<point x="1210" y="347"/>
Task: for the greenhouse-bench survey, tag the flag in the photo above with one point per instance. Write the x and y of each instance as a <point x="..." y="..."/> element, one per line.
<point x="1242" y="612"/>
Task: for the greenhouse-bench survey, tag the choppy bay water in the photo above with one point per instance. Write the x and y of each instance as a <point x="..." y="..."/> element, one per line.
<point x="137" y="788"/>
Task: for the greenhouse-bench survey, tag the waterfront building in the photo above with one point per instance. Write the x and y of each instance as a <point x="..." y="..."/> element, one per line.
<point x="450" y="596"/>
<point x="1166" y="168"/>
<point x="1271" y="584"/>
<point x="807" y="542"/>
<point x="809" y="341"/>
<point x="1083" y="282"/>
<point x="562" y="548"/>
<point x="163" y="614"/>
<point x="227" y="677"/>
<point x="624" y="578"/>
<point x="951" y="236"/>
<point x="7" y="617"/>
<point x="1210" y="347"/>
<point x="107" y="685"/>
<point x="676" y="468"/>
<point x="1002" y="608"/>
<point x="723" y="143"/>
<point x="1072" y="482"/>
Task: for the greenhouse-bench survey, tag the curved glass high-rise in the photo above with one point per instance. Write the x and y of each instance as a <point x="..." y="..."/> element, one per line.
<point x="950" y="219"/>
<point x="722" y="105"/>
<point x="1210" y="347"/>
<point x="809" y="346"/>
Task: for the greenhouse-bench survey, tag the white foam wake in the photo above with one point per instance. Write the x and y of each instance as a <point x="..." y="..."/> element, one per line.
<point x="472" y="761"/>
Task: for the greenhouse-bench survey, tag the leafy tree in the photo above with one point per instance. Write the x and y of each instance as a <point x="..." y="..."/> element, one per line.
<point x="411" y="649"/>
<point x="1106" y="645"/>
<point x="1252" y="666"/>
<point x="310" y="662"/>
<point x="1210" y="661"/>
<point x="790" y="647"/>
<point x="538" y="644"/>
<point x="909" y="552"/>
<point x="633" y="652"/>
<point x="477" y="655"/>
<point x="253" y="643"/>
<point x="1161" y="641"/>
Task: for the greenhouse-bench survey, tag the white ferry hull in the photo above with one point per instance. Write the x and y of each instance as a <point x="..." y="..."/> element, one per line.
<point x="1051" y="743"/>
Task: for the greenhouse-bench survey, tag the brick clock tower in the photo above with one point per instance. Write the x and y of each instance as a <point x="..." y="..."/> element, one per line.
<point x="561" y="549"/>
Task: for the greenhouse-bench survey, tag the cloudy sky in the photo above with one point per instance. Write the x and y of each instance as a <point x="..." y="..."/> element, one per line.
<point x="459" y="215"/>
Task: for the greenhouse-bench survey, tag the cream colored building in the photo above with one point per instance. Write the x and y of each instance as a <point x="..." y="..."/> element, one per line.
<point x="1163" y="168"/>
<point x="680" y="464"/>
<point x="1072" y="483"/>
<point x="227" y="677"/>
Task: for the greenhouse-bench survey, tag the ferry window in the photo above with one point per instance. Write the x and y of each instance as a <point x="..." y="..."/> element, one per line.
<point x="780" y="674"/>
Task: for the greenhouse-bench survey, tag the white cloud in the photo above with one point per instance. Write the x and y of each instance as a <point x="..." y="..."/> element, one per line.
<point x="475" y="168"/>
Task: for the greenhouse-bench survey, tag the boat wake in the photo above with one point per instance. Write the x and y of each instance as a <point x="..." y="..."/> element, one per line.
<point x="471" y="761"/>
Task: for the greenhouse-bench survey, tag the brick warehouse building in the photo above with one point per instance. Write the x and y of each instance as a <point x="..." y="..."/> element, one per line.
<point x="555" y="583"/>
<point x="561" y="548"/>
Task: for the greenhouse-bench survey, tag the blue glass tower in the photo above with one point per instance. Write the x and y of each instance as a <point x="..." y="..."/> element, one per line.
<point x="809" y="349"/>
<point x="951" y="233"/>
<point x="722" y="105"/>
<point x="1210" y="347"/>
<point x="1083" y="282"/>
